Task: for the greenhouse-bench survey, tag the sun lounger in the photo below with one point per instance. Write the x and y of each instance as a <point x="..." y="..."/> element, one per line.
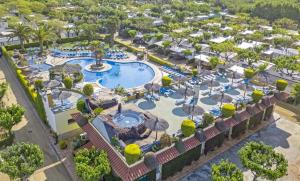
<point x="156" y="97"/>
<point x="180" y="101"/>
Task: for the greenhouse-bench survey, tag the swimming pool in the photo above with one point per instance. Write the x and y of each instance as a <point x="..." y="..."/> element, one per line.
<point x="127" y="75"/>
<point x="128" y="119"/>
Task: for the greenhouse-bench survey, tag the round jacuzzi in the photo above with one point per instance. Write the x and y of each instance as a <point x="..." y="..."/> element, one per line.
<point x="128" y="119"/>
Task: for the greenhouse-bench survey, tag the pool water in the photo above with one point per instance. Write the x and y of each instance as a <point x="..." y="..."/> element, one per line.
<point x="127" y="119"/>
<point x="126" y="75"/>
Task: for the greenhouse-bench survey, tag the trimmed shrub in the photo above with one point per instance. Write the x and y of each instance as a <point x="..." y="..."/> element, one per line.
<point x="62" y="144"/>
<point x="188" y="127"/>
<point x="80" y="105"/>
<point x="194" y="72"/>
<point x="98" y="111"/>
<point x="159" y="60"/>
<point x="88" y="89"/>
<point x="68" y="82"/>
<point x="281" y="84"/>
<point x="208" y="119"/>
<point x="257" y="95"/>
<point x="249" y="73"/>
<point x="132" y="153"/>
<point x="166" y="81"/>
<point x="38" y="84"/>
<point x="228" y="110"/>
<point x="165" y="140"/>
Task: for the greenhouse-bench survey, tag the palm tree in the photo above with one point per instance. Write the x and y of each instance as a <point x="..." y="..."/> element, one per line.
<point x="22" y="32"/>
<point x="262" y="71"/>
<point x="98" y="51"/>
<point x="42" y="34"/>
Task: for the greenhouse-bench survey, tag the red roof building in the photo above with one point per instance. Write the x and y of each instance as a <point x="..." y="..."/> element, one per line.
<point x="120" y="167"/>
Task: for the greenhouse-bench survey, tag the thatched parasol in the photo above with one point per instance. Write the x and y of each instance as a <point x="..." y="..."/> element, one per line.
<point x="52" y="84"/>
<point x="185" y="91"/>
<point x="156" y="125"/>
<point x="64" y="95"/>
<point x="152" y="87"/>
<point x="193" y="110"/>
<point x="223" y="98"/>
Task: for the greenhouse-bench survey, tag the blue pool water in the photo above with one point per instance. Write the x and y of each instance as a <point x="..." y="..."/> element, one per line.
<point x="127" y="75"/>
<point x="128" y="119"/>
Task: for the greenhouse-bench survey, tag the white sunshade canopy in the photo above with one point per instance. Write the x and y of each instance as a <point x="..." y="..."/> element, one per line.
<point x="237" y="69"/>
<point x="202" y="58"/>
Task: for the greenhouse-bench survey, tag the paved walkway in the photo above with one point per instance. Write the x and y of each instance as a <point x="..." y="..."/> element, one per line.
<point x="32" y="130"/>
<point x="283" y="135"/>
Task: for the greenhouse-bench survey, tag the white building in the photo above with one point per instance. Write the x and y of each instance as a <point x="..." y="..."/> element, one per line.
<point x="59" y="116"/>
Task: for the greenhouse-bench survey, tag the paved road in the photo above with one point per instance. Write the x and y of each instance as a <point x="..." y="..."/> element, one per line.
<point x="32" y="130"/>
<point x="283" y="136"/>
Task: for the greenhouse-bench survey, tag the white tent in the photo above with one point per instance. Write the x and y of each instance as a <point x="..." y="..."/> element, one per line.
<point x="237" y="69"/>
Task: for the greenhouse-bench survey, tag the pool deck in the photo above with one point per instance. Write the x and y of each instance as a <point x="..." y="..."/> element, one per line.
<point x="131" y="58"/>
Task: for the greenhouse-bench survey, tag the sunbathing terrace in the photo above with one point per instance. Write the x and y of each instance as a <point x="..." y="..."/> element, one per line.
<point x="206" y="94"/>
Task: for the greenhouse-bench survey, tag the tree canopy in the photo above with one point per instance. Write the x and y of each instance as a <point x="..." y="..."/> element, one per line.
<point x="91" y="164"/>
<point x="21" y="160"/>
<point x="263" y="161"/>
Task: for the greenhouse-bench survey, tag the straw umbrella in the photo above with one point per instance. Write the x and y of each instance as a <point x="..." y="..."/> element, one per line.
<point x="64" y="95"/>
<point x="223" y="98"/>
<point x="211" y="83"/>
<point x="180" y="79"/>
<point x="186" y="92"/>
<point x="156" y="125"/>
<point x="193" y="110"/>
<point x="52" y="84"/>
<point x="152" y="87"/>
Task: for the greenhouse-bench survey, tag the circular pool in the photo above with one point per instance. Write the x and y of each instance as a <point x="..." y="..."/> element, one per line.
<point x="127" y="119"/>
<point x="126" y="75"/>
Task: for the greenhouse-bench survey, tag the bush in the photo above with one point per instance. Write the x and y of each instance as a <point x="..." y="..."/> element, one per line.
<point x="166" y="81"/>
<point x="257" y="95"/>
<point x="159" y="60"/>
<point x="281" y="84"/>
<point x="68" y="82"/>
<point x="88" y="89"/>
<point x="228" y="110"/>
<point x="249" y="73"/>
<point x="38" y="84"/>
<point x="188" y="127"/>
<point x="165" y="140"/>
<point x="62" y="144"/>
<point x="80" y="105"/>
<point x="132" y="153"/>
<point x="208" y="119"/>
<point x="98" y="111"/>
<point x="194" y="72"/>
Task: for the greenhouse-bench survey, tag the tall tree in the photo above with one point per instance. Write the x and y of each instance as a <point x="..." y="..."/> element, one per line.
<point x="21" y="160"/>
<point x="226" y="171"/>
<point x="112" y="24"/>
<point x="11" y="116"/>
<point x="21" y="31"/>
<point x="91" y="164"/>
<point x="41" y="34"/>
<point x="263" y="161"/>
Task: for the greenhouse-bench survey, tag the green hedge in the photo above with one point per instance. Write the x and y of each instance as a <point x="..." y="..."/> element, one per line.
<point x="269" y="112"/>
<point x="7" y="141"/>
<point x="159" y="60"/>
<point x="255" y="120"/>
<point x="33" y="95"/>
<point x="150" y="57"/>
<point x="36" y="44"/>
<point x="129" y="48"/>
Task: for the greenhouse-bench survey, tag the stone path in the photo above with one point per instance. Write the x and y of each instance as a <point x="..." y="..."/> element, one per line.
<point x="32" y="130"/>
